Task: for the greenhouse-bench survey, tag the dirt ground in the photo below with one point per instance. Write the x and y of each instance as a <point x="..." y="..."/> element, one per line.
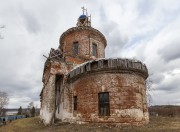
<point x="157" y="124"/>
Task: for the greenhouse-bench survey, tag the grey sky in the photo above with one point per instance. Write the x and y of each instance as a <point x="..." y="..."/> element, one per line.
<point x="147" y="30"/>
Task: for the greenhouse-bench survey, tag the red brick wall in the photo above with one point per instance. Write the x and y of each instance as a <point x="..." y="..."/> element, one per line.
<point x="126" y="94"/>
<point x="85" y="38"/>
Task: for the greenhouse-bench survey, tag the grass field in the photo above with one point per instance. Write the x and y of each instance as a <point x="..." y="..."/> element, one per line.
<point x="157" y="124"/>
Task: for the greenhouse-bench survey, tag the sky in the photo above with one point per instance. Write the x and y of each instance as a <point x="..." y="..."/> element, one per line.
<point x="147" y="30"/>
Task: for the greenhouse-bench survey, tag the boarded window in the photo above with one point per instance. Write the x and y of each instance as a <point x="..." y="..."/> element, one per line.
<point x="104" y="104"/>
<point x="94" y="47"/>
<point x="75" y="102"/>
<point x="75" y="48"/>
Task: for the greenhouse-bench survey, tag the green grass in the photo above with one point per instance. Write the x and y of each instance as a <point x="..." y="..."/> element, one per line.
<point x="157" y="124"/>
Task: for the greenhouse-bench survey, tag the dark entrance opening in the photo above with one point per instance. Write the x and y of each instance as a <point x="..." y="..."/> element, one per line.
<point x="58" y="90"/>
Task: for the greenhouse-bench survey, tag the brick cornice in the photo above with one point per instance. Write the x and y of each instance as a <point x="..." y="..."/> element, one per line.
<point x="117" y="65"/>
<point x="74" y="29"/>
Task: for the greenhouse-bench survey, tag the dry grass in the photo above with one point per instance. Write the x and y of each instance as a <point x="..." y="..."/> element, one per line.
<point x="23" y="125"/>
<point x="159" y="124"/>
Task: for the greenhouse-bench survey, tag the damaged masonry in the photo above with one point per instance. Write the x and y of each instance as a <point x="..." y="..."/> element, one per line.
<point x="81" y="86"/>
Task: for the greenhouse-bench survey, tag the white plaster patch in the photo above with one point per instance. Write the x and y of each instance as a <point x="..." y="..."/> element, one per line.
<point x="46" y="116"/>
<point x="68" y="117"/>
<point x="46" y="111"/>
<point x="137" y="114"/>
<point x="103" y="88"/>
<point x="146" y="117"/>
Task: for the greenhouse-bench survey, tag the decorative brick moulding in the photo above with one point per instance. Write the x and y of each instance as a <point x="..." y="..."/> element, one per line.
<point x="75" y="29"/>
<point x="117" y="65"/>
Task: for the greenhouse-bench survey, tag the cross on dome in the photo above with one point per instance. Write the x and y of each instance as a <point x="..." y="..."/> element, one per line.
<point x="84" y="19"/>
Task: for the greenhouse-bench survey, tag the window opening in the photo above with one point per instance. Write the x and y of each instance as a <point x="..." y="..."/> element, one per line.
<point x="94" y="50"/>
<point x="75" y="48"/>
<point x="75" y="102"/>
<point x="104" y="109"/>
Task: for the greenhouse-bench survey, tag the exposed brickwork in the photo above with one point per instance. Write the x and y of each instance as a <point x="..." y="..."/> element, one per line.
<point x="124" y="80"/>
<point x="126" y="97"/>
<point x="85" y="36"/>
<point x="67" y="75"/>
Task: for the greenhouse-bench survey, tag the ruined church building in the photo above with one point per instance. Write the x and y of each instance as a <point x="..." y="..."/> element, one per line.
<point x="80" y="85"/>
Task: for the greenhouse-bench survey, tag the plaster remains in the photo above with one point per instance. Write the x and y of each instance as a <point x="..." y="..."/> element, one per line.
<point x="81" y="86"/>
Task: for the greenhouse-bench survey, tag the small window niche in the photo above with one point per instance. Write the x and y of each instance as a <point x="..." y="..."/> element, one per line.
<point x="104" y="109"/>
<point x="75" y="48"/>
<point x="75" y="103"/>
<point x="94" y="49"/>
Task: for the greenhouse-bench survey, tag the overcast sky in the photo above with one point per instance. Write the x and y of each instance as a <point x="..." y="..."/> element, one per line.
<point x="148" y="30"/>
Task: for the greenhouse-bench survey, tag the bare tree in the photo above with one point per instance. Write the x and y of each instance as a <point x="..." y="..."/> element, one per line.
<point x="30" y="107"/>
<point x="31" y="104"/>
<point x="4" y="99"/>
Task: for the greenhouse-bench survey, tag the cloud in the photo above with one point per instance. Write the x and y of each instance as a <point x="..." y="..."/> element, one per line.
<point x="145" y="29"/>
<point x="170" y="52"/>
<point x="114" y="37"/>
<point x="30" y="20"/>
<point x="155" y="41"/>
<point x="170" y="83"/>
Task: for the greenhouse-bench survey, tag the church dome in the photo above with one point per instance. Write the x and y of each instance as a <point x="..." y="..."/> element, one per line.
<point x="82" y="16"/>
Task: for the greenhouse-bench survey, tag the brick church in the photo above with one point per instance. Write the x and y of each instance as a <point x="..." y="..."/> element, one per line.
<point x="80" y="85"/>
